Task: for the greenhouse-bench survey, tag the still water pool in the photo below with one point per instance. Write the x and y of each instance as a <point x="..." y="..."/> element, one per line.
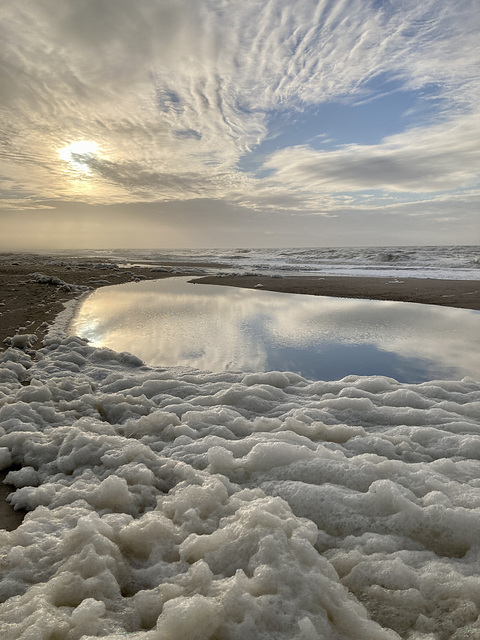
<point x="174" y="323"/>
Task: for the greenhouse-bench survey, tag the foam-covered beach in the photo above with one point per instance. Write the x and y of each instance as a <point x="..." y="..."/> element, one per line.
<point x="163" y="504"/>
<point x="233" y="506"/>
<point x="239" y="320"/>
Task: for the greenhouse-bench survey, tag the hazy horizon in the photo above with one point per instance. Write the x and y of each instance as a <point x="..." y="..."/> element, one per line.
<point x="233" y="247"/>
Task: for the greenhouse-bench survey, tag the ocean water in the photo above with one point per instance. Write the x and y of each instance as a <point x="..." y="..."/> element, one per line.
<point x="446" y="262"/>
<point x="170" y="504"/>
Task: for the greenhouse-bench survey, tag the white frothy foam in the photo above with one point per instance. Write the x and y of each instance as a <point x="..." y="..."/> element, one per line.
<point x="235" y="506"/>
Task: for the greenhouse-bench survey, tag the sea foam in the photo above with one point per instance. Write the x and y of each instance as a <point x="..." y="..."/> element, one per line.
<point x="233" y="505"/>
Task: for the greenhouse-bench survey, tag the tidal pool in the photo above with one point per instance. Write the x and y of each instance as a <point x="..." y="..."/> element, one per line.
<point x="174" y="323"/>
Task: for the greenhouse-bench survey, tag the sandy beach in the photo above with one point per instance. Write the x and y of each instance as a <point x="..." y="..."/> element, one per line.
<point x="28" y="305"/>
<point x="150" y="477"/>
<point x="463" y="294"/>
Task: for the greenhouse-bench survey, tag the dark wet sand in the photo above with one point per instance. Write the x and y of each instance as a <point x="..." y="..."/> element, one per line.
<point x="25" y="305"/>
<point x="9" y="518"/>
<point x="464" y="294"/>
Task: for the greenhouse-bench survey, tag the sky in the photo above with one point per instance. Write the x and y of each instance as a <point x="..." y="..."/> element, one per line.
<point x="228" y="123"/>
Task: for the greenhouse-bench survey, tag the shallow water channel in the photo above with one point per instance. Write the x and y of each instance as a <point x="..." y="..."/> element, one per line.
<point x="174" y="323"/>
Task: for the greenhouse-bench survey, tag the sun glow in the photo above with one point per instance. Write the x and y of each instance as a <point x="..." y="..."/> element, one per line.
<point x="78" y="154"/>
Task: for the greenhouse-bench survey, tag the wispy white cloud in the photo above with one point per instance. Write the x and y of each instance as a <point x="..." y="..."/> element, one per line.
<point x="176" y="94"/>
<point x="441" y="157"/>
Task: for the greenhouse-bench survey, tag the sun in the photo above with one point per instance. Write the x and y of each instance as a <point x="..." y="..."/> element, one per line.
<point x="77" y="154"/>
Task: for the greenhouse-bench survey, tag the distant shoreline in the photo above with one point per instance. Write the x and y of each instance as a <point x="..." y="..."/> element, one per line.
<point x="462" y="294"/>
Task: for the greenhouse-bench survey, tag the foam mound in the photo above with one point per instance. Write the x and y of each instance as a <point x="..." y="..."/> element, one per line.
<point x="167" y="505"/>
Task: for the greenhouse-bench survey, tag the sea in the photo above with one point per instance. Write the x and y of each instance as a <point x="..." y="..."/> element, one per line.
<point x="444" y="262"/>
<point x="172" y="502"/>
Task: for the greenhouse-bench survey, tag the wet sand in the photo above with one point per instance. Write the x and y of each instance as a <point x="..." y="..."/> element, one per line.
<point x="9" y="518"/>
<point x="464" y="294"/>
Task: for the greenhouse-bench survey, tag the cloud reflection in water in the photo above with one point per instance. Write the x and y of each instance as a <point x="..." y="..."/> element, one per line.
<point x="175" y="323"/>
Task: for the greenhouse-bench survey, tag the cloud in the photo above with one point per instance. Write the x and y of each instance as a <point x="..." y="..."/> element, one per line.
<point x="438" y="158"/>
<point x="177" y="94"/>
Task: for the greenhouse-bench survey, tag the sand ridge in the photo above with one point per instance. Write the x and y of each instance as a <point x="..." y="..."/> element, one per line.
<point x="463" y="294"/>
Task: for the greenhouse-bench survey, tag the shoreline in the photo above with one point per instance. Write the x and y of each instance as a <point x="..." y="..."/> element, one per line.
<point x="460" y="294"/>
<point x="28" y="306"/>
